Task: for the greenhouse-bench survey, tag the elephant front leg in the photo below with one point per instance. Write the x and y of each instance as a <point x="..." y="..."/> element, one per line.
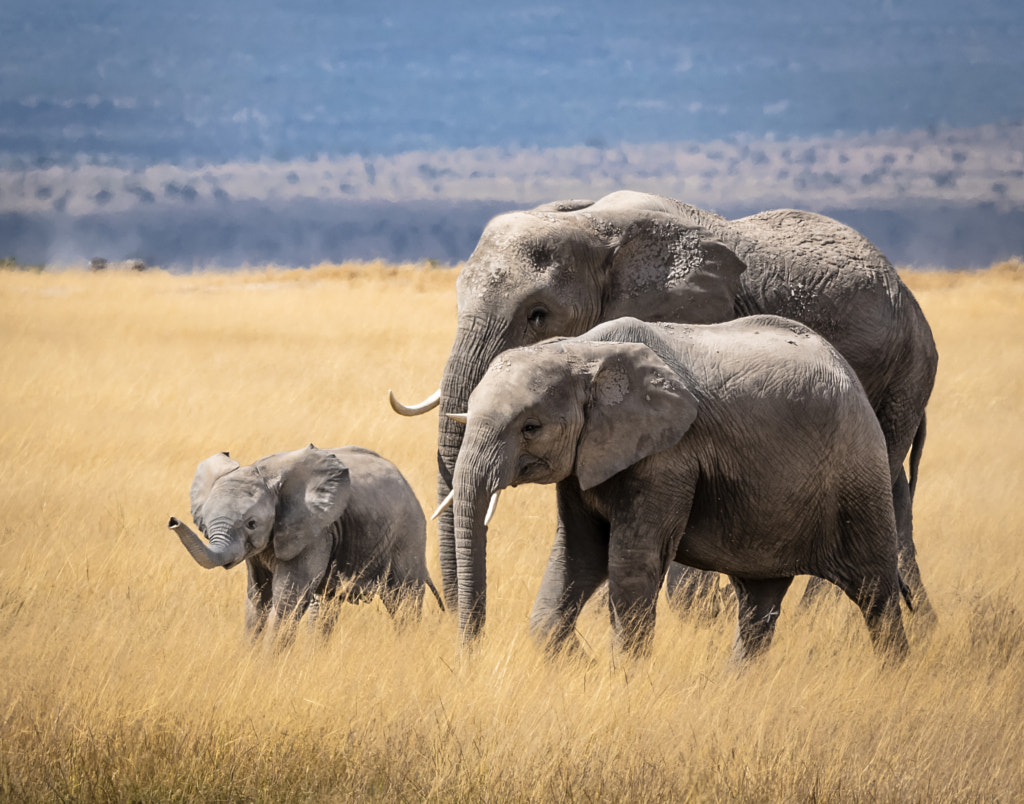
<point x="258" y="600"/>
<point x="636" y="569"/>
<point x="294" y="585"/>
<point x="578" y="565"/>
<point x="759" y="603"/>
<point x="644" y="539"/>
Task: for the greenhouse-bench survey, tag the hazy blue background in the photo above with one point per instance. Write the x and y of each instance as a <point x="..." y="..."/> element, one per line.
<point x="135" y="84"/>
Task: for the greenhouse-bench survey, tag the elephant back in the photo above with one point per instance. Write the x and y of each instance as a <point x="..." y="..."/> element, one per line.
<point x="383" y="518"/>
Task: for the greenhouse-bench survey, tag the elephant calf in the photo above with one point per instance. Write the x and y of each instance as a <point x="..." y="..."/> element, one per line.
<point x="748" y="448"/>
<point x="311" y="525"/>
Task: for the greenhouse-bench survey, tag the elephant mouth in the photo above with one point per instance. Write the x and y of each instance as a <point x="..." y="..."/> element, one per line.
<point x="530" y="469"/>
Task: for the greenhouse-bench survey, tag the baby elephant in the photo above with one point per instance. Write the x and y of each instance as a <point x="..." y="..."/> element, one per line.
<point x="312" y="524"/>
<point x="748" y="448"/>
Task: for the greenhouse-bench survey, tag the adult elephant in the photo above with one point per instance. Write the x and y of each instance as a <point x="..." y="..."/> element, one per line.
<point x="747" y="447"/>
<point x="563" y="267"/>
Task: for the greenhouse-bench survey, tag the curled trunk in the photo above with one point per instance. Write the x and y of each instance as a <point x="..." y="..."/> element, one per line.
<point x="217" y="554"/>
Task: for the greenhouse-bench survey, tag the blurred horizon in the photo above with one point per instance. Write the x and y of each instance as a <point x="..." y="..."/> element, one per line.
<point x="905" y="117"/>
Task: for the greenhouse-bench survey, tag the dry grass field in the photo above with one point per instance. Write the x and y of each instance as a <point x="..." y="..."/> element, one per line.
<point x="124" y="675"/>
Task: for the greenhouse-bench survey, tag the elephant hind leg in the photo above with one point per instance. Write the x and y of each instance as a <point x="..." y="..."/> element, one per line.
<point x="402" y="597"/>
<point x="693" y="592"/>
<point x="924" y="614"/>
<point x="818" y="589"/>
<point x="881" y="610"/>
<point x="759" y="603"/>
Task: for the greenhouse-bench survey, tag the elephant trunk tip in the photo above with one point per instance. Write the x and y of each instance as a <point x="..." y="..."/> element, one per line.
<point x="174" y="522"/>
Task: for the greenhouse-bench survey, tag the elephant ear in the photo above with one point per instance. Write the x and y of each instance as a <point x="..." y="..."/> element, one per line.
<point x="314" y="490"/>
<point x="208" y="473"/>
<point x="665" y="270"/>
<point x="637" y="406"/>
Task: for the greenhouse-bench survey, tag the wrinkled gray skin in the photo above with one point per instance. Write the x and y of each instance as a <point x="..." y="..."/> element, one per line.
<point x="747" y="448"/>
<point x="311" y="525"/>
<point x="563" y="267"/>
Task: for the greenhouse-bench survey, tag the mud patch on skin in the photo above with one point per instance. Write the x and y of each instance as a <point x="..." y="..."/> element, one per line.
<point x="612" y="385"/>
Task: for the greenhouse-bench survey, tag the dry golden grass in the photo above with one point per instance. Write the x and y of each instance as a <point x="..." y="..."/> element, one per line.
<point x="125" y="676"/>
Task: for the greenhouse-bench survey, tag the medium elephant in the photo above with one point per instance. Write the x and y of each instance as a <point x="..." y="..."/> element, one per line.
<point x="747" y="448"/>
<point x="311" y="525"/>
<point x="563" y="267"/>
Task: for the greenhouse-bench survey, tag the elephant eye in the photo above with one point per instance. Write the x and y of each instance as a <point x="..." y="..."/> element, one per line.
<point x="251" y="524"/>
<point x="531" y="428"/>
<point x="537" y="316"/>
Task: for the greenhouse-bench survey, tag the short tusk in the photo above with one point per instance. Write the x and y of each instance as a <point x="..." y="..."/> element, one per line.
<point x="425" y="406"/>
<point x="491" y="508"/>
<point x="445" y="503"/>
<point x="461" y="418"/>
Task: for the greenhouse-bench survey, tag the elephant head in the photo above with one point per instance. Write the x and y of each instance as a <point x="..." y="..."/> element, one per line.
<point x="541" y="414"/>
<point x="283" y="501"/>
<point x="558" y="270"/>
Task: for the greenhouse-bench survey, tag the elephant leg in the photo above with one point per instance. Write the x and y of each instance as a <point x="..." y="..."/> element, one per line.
<point x="294" y="585"/>
<point x="322" y="614"/>
<point x="880" y="605"/>
<point x="402" y="597"/>
<point x="910" y="572"/>
<point x="692" y="591"/>
<point x="817" y="588"/>
<point x="258" y="600"/>
<point x="577" y="566"/>
<point x="636" y="569"/>
<point x="759" y="603"/>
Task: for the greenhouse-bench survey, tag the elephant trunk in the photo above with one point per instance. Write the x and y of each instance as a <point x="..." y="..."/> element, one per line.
<point x="474" y="348"/>
<point x="217" y="554"/>
<point x="477" y="478"/>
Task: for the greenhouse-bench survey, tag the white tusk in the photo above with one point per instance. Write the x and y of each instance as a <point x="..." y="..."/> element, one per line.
<point x="445" y="503"/>
<point x="425" y="406"/>
<point x="462" y="418"/>
<point x="491" y="508"/>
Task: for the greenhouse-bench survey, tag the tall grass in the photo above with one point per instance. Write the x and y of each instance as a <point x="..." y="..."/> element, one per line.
<point x="124" y="675"/>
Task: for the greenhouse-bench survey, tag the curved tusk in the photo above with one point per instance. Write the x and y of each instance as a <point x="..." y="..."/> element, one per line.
<point x="445" y="503"/>
<point x="425" y="406"/>
<point x="491" y="508"/>
<point x="462" y="418"/>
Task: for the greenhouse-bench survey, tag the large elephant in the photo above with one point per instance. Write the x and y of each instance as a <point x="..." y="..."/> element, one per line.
<point x="563" y="267"/>
<point x="311" y="525"/>
<point x="748" y="448"/>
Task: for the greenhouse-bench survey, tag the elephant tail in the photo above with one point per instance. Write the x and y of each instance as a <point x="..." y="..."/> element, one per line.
<point x="437" y="596"/>
<point x="915" y="452"/>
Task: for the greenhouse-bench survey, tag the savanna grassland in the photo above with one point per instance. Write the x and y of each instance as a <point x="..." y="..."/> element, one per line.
<point x="124" y="675"/>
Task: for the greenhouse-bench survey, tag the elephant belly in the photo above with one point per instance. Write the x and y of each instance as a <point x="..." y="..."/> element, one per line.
<point x="748" y="543"/>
